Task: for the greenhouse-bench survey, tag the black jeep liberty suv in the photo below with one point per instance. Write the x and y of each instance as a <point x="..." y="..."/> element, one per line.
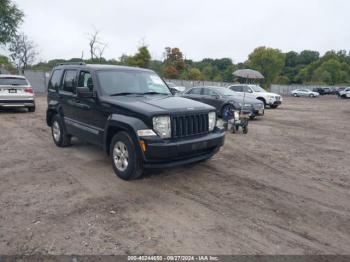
<point x="131" y="114"/>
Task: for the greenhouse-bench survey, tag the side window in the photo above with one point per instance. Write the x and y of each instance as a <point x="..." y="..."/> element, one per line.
<point x="246" y="89"/>
<point x="85" y="80"/>
<point x="70" y="81"/>
<point x="55" y="80"/>
<point x="237" y="89"/>
<point x="209" y="92"/>
<point x="195" y="91"/>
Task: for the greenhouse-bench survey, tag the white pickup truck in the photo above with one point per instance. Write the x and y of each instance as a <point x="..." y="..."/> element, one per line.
<point x="345" y="93"/>
<point x="255" y="91"/>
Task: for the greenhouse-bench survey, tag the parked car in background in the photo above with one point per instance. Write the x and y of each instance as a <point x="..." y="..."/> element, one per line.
<point x="131" y="114"/>
<point x="323" y="90"/>
<point x="338" y="90"/>
<point x="16" y="91"/>
<point x="304" y="92"/>
<point x="255" y="91"/>
<point x="345" y="93"/>
<point x="175" y="88"/>
<point x="224" y="100"/>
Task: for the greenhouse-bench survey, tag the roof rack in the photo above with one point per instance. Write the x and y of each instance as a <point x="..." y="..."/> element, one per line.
<point x="72" y="63"/>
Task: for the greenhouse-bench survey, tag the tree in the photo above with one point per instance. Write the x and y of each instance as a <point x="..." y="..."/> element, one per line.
<point x="170" y="72"/>
<point x="174" y="57"/>
<point x="10" y="18"/>
<point x="194" y="74"/>
<point x="268" y="61"/>
<point x="22" y="51"/>
<point x="141" y="59"/>
<point x="96" y="46"/>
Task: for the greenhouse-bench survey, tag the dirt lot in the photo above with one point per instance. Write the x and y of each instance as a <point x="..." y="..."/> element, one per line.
<point x="281" y="189"/>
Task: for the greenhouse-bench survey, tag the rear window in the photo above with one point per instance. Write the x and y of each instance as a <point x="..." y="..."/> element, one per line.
<point x="13" y="81"/>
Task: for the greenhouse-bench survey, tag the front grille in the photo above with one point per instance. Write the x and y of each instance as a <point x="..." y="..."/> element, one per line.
<point x="189" y="125"/>
<point x="278" y="98"/>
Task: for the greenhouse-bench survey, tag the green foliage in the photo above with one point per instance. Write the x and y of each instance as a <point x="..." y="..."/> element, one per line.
<point x="10" y="18"/>
<point x="268" y="61"/>
<point x="141" y="59"/>
<point x="194" y="74"/>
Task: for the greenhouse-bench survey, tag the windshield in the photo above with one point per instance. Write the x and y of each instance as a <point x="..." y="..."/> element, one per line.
<point x="258" y="89"/>
<point x="115" y="82"/>
<point x="14" y="81"/>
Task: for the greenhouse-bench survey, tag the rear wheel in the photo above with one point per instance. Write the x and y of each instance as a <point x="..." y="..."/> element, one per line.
<point x="312" y="95"/>
<point x="125" y="160"/>
<point x="59" y="134"/>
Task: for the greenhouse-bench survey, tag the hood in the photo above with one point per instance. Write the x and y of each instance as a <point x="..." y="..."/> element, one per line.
<point x="271" y="94"/>
<point x="155" y="104"/>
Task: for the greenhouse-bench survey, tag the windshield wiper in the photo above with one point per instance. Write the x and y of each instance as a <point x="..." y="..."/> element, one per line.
<point x="154" y="93"/>
<point x="125" y="94"/>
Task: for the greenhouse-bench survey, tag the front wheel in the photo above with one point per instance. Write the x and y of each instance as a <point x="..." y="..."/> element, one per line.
<point x="295" y="95"/>
<point x="273" y="106"/>
<point x="312" y="95"/>
<point x="125" y="160"/>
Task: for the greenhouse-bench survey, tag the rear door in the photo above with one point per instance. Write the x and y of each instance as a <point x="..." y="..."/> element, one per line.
<point x="211" y="97"/>
<point x="194" y="94"/>
<point x="15" y="88"/>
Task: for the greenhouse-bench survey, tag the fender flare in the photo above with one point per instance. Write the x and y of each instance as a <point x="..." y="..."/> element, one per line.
<point x="129" y="124"/>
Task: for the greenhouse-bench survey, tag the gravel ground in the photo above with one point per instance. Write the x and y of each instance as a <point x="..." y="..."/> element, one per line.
<point x="281" y="189"/>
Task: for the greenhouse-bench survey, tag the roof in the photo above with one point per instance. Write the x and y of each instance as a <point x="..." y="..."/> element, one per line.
<point x="12" y="76"/>
<point x="103" y="67"/>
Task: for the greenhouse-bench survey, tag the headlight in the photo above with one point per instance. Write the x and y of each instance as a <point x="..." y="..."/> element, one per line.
<point x="248" y="105"/>
<point x="271" y="97"/>
<point x="212" y="120"/>
<point x="161" y="125"/>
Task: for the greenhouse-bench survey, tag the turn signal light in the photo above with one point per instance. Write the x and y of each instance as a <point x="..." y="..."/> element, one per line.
<point x="143" y="145"/>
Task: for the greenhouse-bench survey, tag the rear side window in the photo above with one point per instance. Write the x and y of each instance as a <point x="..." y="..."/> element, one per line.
<point x="13" y="81"/>
<point x="70" y="81"/>
<point x="55" y="80"/>
<point x="194" y="91"/>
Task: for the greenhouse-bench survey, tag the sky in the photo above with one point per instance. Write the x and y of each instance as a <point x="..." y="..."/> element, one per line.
<point x="200" y="28"/>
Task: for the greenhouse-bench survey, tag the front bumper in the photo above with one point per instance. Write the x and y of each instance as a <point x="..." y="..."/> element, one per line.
<point x="161" y="154"/>
<point x="257" y="112"/>
<point x="275" y="103"/>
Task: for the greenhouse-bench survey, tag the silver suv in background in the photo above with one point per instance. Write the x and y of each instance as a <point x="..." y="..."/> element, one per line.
<point x="16" y="91"/>
<point x="255" y="91"/>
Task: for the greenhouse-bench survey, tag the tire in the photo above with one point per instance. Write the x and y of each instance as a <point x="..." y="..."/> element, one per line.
<point x="126" y="162"/>
<point x="245" y="129"/>
<point x="312" y="95"/>
<point x="295" y="95"/>
<point x="273" y="106"/>
<point x="31" y="109"/>
<point x="59" y="133"/>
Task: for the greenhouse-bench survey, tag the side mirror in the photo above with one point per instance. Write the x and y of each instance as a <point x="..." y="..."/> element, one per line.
<point x="84" y="92"/>
<point x="215" y="96"/>
<point x="173" y="90"/>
